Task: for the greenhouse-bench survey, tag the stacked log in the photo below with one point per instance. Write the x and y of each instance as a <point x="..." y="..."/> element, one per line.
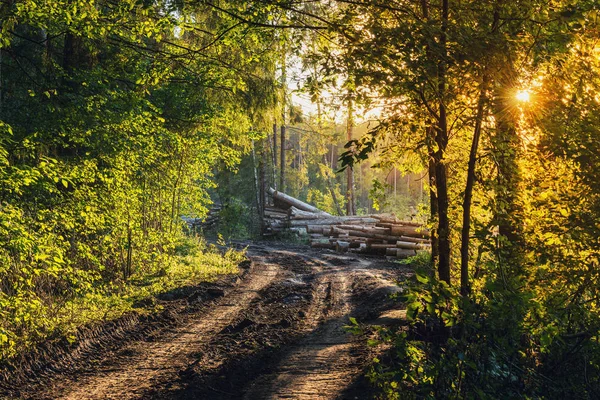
<point x="372" y="234"/>
<point x="397" y="239"/>
<point x="208" y="222"/>
<point x="275" y="220"/>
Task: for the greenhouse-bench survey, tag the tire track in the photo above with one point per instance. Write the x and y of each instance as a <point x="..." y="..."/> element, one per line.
<point x="322" y="364"/>
<point x="157" y="363"/>
<point x="278" y="334"/>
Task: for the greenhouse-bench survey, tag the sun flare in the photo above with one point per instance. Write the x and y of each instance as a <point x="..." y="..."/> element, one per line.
<point x="523" y="96"/>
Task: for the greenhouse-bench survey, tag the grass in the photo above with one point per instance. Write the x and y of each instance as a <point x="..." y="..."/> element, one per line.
<point x="194" y="262"/>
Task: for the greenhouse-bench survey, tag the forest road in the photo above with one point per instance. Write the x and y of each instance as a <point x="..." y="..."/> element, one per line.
<point x="277" y="333"/>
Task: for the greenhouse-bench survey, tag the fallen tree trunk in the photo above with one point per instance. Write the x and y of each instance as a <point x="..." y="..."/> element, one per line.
<point x="376" y="234"/>
<point x="320" y="245"/>
<point x="293" y="202"/>
<point x="316" y="228"/>
<point x="414" y="231"/>
<point x="296" y="213"/>
<point x="381" y="246"/>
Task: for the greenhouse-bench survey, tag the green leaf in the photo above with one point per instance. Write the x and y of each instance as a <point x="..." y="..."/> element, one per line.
<point x="448" y="319"/>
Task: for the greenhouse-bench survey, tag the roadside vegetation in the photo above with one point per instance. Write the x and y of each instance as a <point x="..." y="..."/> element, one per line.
<point x="193" y="262"/>
<point x="113" y="123"/>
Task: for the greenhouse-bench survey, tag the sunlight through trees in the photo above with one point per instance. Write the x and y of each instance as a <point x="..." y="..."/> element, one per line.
<point x="480" y="119"/>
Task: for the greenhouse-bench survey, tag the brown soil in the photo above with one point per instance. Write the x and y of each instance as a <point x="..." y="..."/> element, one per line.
<point x="277" y="332"/>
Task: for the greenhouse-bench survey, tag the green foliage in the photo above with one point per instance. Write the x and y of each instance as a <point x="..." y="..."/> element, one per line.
<point x="421" y="262"/>
<point x="113" y="117"/>
<point x="482" y="346"/>
<point x="377" y="194"/>
<point x="527" y="326"/>
<point x="323" y="200"/>
<point x="29" y="318"/>
<point x="236" y="220"/>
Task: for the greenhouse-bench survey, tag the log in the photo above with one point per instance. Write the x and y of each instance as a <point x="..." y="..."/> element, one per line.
<point x="411" y="246"/>
<point x="330" y="220"/>
<point x="336" y="230"/>
<point x="278" y="224"/>
<point x="270" y="215"/>
<point x="377" y="236"/>
<point x="276" y="209"/>
<point x="390" y="251"/>
<point x="293" y="202"/>
<point x="316" y="229"/>
<point x="319" y="245"/>
<point x="382" y="246"/>
<point x="353" y="239"/>
<point x="392" y="219"/>
<point x="365" y="234"/>
<point x="404" y="223"/>
<point x="299" y="231"/>
<point x="362" y="248"/>
<point x="365" y="228"/>
<point x="414" y="231"/>
<point x="296" y="213"/>
<point x="414" y="240"/>
<point x="342" y="246"/>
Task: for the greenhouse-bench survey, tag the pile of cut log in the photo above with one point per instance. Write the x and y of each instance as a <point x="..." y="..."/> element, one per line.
<point x="373" y="234"/>
<point x="210" y="221"/>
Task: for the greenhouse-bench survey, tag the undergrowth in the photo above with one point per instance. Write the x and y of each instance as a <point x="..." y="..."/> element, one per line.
<point x="194" y="261"/>
<point x="489" y="345"/>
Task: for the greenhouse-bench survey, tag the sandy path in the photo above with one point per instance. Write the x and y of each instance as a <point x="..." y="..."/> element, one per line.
<point x="321" y="365"/>
<point x="160" y="361"/>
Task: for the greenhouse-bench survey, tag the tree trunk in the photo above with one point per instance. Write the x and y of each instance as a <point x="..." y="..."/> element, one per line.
<point x="176" y="184"/>
<point x="350" y="209"/>
<point x="262" y="202"/>
<point x="441" y="139"/>
<point x="433" y="202"/>
<point x="282" y="171"/>
<point x="464" y="246"/>
<point x="292" y="201"/>
<point x="128" y="265"/>
<point x="1" y="86"/>
<point x="328" y="172"/>
<point x="283" y="120"/>
<point x="467" y="201"/>
<point x="274" y="156"/>
<point x="430" y="140"/>
<point x="256" y="182"/>
<point x="331" y="187"/>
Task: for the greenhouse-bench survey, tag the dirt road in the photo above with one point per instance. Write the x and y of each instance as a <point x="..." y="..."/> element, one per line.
<point x="278" y="332"/>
